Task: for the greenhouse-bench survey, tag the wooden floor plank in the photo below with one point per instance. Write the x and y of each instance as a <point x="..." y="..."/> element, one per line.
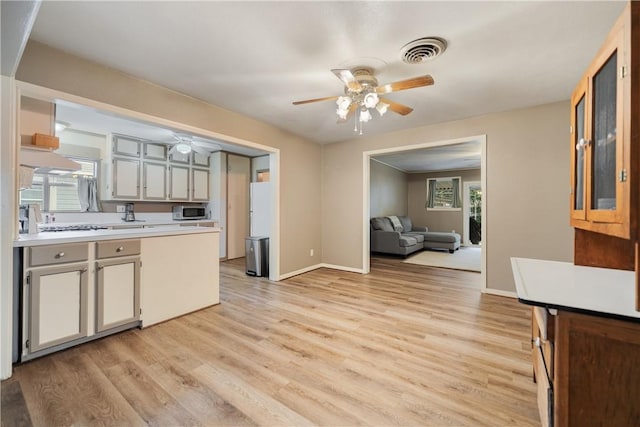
<point x="404" y="345"/>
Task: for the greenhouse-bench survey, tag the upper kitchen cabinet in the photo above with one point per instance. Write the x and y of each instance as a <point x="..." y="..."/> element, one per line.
<point x="604" y="135"/>
<point x="125" y="146"/>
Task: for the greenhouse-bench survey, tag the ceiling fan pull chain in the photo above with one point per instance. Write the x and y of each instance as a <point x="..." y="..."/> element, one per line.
<point x="355" y="123"/>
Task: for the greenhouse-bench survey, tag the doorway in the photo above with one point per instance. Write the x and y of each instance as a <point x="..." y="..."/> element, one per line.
<point x="403" y="150"/>
<point x="472" y="213"/>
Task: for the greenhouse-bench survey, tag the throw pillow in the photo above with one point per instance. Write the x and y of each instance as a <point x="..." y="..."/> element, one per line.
<point x="395" y="222"/>
<point x="406" y="223"/>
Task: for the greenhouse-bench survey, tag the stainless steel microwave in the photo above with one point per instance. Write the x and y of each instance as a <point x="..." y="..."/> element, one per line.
<point x="189" y="212"/>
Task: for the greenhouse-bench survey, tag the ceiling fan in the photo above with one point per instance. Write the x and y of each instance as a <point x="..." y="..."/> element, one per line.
<point x="362" y="93"/>
<point x="184" y="144"/>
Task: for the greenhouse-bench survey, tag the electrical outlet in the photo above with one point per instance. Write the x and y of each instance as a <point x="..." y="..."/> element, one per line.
<point x="120" y="208"/>
<point x="310" y="252"/>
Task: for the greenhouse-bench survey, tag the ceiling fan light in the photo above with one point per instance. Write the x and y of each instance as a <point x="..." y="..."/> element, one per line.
<point x="365" y="115"/>
<point x="343" y="102"/>
<point x="382" y="108"/>
<point x="183" y="148"/>
<point x="342" y="113"/>
<point x="370" y="100"/>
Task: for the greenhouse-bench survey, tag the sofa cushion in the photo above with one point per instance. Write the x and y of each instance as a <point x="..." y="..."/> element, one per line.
<point x="406" y="223"/>
<point x="442" y="237"/>
<point x="407" y="241"/>
<point x="381" y="223"/>
<point x="395" y="222"/>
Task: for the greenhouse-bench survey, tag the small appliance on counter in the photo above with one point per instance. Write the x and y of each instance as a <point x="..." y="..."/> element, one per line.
<point x="129" y="216"/>
<point x="28" y="218"/>
<point x="184" y="212"/>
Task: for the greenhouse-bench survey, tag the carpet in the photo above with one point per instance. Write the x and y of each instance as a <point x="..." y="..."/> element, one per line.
<point x="466" y="258"/>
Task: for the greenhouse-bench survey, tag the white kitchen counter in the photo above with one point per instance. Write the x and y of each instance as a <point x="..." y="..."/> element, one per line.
<point x="563" y="285"/>
<point x="49" y="238"/>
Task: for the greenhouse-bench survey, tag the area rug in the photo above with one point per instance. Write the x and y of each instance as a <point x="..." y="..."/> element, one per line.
<point x="466" y="258"/>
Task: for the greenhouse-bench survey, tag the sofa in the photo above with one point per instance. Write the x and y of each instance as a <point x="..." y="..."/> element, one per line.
<point x="397" y="235"/>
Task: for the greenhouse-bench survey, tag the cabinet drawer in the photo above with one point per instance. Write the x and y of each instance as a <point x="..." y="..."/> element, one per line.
<point x="543" y="335"/>
<point x="117" y="248"/>
<point x="545" y="392"/>
<point x="58" y="254"/>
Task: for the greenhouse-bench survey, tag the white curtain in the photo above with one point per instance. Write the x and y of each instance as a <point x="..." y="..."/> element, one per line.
<point x="88" y="194"/>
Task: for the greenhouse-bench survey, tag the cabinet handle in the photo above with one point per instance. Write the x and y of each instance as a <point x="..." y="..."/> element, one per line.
<point x="536" y="342"/>
<point x="59" y="255"/>
<point x="583" y="143"/>
<point x="120" y="249"/>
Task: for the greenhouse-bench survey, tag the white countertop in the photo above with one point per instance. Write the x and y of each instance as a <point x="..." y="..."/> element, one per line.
<point x="50" y="238"/>
<point x="561" y="285"/>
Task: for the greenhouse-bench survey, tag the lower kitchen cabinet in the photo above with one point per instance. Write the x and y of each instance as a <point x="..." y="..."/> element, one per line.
<point x="57" y="305"/>
<point x="587" y="369"/>
<point x="117" y="284"/>
<point x="77" y="292"/>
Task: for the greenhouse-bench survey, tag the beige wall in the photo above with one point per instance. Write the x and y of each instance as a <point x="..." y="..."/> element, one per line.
<point x="300" y="159"/>
<point x="527" y="192"/>
<point x="436" y="220"/>
<point x="388" y="189"/>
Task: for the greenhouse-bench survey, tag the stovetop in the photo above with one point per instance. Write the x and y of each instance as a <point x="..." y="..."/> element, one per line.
<point x="80" y="227"/>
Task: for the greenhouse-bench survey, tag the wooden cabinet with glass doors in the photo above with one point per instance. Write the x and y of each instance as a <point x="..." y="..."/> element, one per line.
<point x="602" y="136"/>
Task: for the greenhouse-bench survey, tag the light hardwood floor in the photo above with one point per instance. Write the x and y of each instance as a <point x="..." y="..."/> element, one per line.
<point x="404" y="345"/>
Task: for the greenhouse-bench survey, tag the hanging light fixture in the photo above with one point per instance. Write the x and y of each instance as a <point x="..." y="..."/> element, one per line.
<point x="183" y="147"/>
<point x="361" y="102"/>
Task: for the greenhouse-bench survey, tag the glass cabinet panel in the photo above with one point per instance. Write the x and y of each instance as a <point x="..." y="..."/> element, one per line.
<point x="603" y="161"/>
<point x="578" y="201"/>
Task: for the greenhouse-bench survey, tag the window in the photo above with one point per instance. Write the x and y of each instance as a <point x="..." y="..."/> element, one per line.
<point x="58" y="193"/>
<point x="443" y="194"/>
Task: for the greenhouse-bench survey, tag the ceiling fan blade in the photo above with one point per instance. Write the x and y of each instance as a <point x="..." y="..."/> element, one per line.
<point x="173" y="150"/>
<point x="349" y="80"/>
<point x="308" y="101"/>
<point x="397" y="108"/>
<point x="352" y="109"/>
<point x="426" y="80"/>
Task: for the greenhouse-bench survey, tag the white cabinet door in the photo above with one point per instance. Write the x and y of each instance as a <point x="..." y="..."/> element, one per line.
<point x="118" y="292"/>
<point x="155" y="181"/>
<point x="126" y="179"/>
<point x="200" y="159"/>
<point x="126" y="146"/>
<point x="58" y="305"/>
<point x="155" y="151"/>
<point x="200" y="185"/>
<point x="177" y="157"/>
<point x="179" y="187"/>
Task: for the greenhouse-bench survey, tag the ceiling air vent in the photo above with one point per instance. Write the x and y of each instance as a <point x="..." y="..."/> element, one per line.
<point x="422" y="50"/>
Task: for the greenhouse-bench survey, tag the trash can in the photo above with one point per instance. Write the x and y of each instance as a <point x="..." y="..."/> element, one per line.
<point x="257" y="256"/>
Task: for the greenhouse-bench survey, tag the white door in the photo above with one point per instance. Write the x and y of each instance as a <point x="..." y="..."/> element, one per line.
<point x="238" y="173"/>
<point x="260" y="209"/>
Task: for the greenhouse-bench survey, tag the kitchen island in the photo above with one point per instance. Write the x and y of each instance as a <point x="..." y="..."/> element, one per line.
<point x="74" y="286"/>
<point x="585" y="342"/>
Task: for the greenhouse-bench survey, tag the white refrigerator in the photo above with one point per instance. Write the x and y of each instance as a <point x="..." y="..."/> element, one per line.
<point x="260" y="213"/>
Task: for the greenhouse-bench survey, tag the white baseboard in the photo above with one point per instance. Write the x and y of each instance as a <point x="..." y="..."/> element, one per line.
<point x="301" y="271"/>
<point x="500" y="293"/>
<point x="343" y="268"/>
<point x="317" y="266"/>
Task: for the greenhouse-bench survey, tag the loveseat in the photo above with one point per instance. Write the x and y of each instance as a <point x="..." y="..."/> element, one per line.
<point x="397" y="235"/>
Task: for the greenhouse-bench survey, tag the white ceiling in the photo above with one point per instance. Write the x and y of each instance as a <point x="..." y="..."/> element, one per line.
<point x="464" y="155"/>
<point x="255" y="58"/>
